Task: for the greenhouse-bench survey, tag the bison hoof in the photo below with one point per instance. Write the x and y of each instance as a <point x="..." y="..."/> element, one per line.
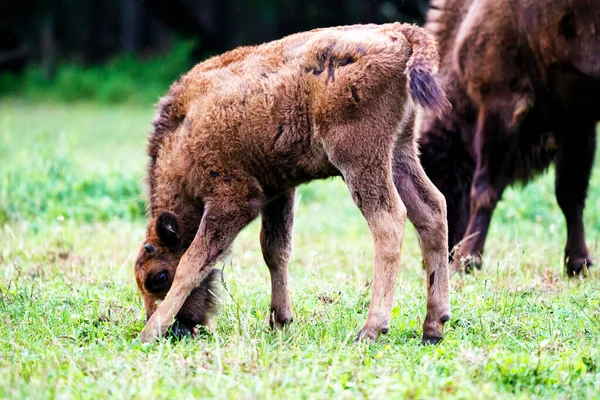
<point x="578" y="266"/>
<point x="280" y="321"/>
<point x="366" y="335"/>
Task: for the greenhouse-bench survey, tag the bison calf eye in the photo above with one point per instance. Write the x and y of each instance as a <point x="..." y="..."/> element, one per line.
<point x="160" y="278"/>
<point x="158" y="282"/>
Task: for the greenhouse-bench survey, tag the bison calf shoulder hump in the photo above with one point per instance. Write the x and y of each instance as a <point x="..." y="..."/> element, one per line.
<point x="237" y="134"/>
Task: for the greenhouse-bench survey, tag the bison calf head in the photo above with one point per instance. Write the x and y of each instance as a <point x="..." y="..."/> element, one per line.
<point x="155" y="268"/>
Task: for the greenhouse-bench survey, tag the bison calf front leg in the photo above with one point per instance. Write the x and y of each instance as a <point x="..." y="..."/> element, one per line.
<point x="276" y="243"/>
<point x="223" y="219"/>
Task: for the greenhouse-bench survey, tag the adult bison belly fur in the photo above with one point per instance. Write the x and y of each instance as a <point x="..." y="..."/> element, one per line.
<point x="523" y="77"/>
<point x="237" y="134"/>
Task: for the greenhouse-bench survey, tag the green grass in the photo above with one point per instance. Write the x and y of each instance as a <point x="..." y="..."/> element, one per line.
<point x="72" y="218"/>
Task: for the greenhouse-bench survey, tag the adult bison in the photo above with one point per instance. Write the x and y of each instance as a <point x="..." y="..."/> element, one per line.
<point x="523" y="77"/>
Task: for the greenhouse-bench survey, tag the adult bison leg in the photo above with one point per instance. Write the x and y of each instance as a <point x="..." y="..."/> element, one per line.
<point x="426" y="208"/>
<point x="276" y="243"/>
<point x="446" y="161"/>
<point x="577" y="145"/>
<point x="496" y="151"/>
<point x="222" y="221"/>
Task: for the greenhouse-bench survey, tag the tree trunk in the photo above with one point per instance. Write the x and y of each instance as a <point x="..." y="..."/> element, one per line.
<point x="130" y="10"/>
<point x="48" y="46"/>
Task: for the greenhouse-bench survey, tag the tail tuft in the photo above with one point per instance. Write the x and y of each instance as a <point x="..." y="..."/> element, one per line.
<point x="424" y="82"/>
<point x="426" y="90"/>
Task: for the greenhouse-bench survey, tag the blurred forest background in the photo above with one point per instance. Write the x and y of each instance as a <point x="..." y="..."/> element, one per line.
<point x="131" y="50"/>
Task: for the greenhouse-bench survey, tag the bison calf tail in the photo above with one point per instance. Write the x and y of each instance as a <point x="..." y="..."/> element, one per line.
<point x="422" y="67"/>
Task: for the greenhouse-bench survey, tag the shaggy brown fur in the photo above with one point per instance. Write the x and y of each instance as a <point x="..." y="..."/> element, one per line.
<point x="240" y="131"/>
<point x="523" y="77"/>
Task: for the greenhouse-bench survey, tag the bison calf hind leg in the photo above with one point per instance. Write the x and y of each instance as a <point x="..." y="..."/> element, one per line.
<point x="366" y="168"/>
<point x="426" y="208"/>
<point x="386" y="216"/>
<point x="276" y="244"/>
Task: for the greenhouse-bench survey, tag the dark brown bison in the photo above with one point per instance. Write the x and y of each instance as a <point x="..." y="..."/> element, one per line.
<point x="523" y="77"/>
<point x="237" y="134"/>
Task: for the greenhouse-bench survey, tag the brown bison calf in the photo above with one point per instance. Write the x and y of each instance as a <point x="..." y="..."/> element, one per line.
<point x="237" y="134"/>
<point x="523" y="77"/>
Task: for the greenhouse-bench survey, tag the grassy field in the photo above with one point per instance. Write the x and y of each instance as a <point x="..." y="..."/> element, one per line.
<point x="71" y="221"/>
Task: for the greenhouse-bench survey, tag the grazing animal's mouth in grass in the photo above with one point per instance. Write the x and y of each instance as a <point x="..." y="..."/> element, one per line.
<point x="182" y="328"/>
<point x="200" y="308"/>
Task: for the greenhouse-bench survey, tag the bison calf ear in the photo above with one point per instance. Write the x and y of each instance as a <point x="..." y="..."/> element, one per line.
<point x="168" y="230"/>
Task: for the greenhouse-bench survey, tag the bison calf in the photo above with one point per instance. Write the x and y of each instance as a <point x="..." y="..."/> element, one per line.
<point x="524" y="80"/>
<point x="237" y="134"/>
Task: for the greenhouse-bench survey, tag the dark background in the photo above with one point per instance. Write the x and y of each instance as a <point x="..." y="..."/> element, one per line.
<point x="113" y="51"/>
<point x="92" y="31"/>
